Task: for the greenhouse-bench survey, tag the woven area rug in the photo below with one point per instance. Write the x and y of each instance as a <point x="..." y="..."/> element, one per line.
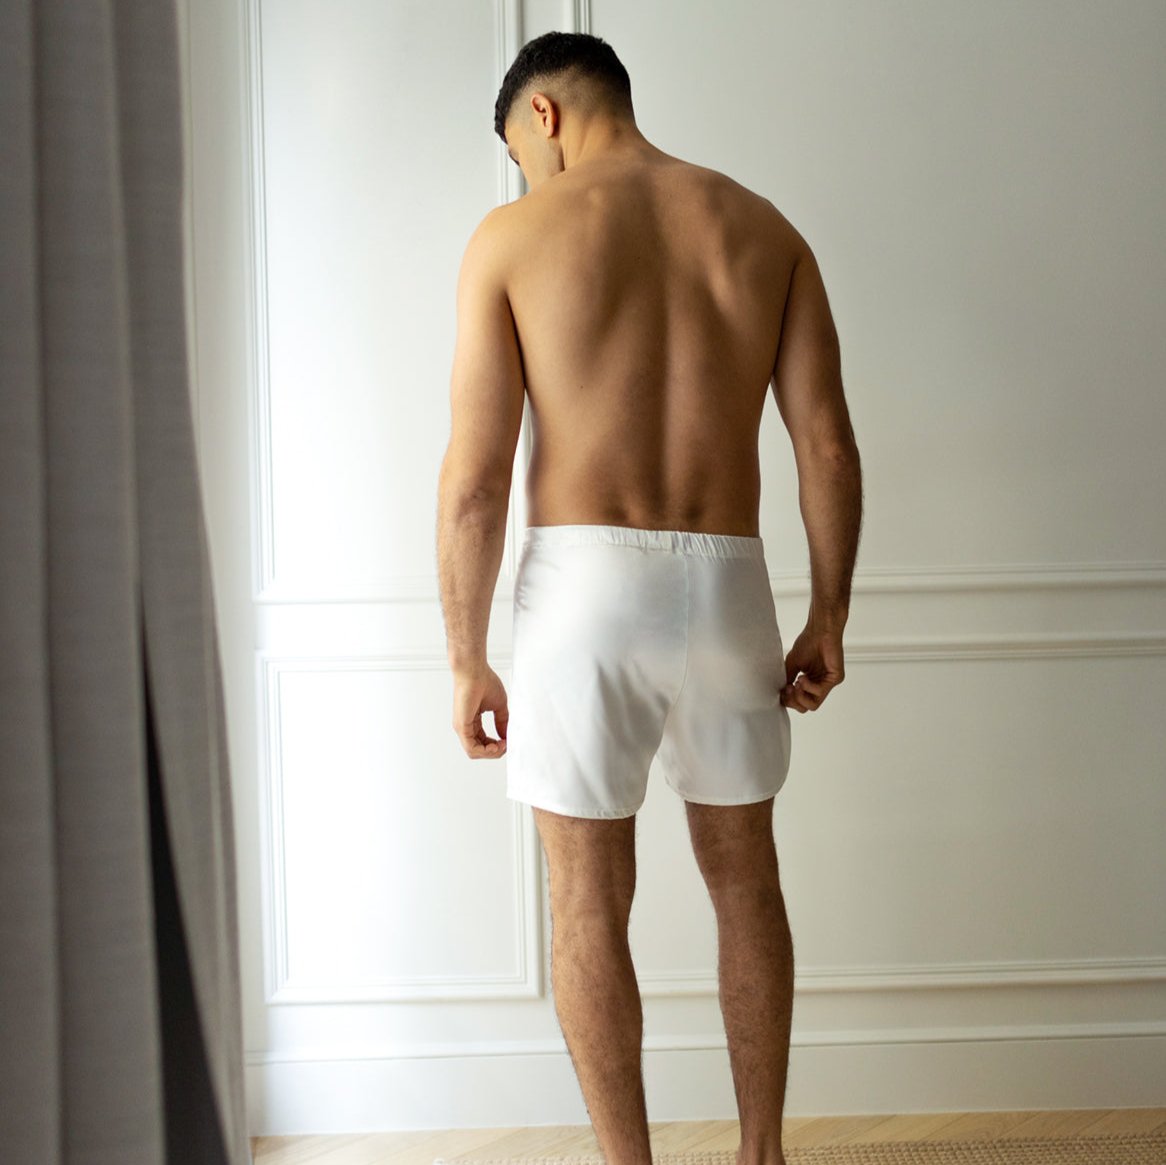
<point x="1126" y="1149"/>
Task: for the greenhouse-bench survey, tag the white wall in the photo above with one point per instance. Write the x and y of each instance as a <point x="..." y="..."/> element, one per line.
<point x="971" y="835"/>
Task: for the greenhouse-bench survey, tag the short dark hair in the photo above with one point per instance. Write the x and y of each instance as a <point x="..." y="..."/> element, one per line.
<point x="553" y="53"/>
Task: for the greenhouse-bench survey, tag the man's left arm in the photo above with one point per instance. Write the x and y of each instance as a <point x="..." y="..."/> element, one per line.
<point x="486" y="398"/>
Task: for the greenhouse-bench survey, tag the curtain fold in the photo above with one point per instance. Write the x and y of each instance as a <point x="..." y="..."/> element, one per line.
<point x="120" y="1004"/>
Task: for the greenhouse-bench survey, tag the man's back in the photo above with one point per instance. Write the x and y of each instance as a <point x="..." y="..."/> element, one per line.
<point x="648" y="296"/>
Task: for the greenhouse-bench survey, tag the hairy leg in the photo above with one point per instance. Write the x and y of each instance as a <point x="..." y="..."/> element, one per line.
<point x="755" y="964"/>
<point x="597" y="997"/>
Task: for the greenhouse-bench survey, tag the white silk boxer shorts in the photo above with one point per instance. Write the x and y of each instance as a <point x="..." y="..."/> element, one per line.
<point x="631" y="645"/>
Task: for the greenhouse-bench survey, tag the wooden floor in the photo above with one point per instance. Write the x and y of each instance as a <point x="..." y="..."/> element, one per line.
<point x="421" y="1147"/>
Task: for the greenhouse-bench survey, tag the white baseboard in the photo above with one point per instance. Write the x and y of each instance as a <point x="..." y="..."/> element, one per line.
<point x="314" y="1095"/>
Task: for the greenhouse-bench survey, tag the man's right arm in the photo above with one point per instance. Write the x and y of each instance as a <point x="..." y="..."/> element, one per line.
<point x="807" y="385"/>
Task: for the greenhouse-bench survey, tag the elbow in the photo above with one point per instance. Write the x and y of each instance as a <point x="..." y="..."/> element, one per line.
<point x="469" y="485"/>
<point x="471" y="493"/>
<point x="838" y="454"/>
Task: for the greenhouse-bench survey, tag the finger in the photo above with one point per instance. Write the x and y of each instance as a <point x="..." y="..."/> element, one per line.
<point x="486" y="742"/>
<point x="815" y="688"/>
<point x="790" y="699"/>
<point x="804" y="699"/>
<point x="800" y="697"/>
<point x="478" y="749"/>
<point x="500" y="718"/>
<point x="814" y="702"/>
<point x="479" y="729"/>
<point x="474" y="740"/>
<point x="792" y="695"/>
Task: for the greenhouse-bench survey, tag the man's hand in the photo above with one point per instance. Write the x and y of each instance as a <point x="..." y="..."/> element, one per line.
<point x="817" y="655"/>
<point x="477" y="690"/>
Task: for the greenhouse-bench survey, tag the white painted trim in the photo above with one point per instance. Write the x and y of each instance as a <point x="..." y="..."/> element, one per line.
<point x="920" y="649"/>
<point x="1019" y="646"/>
<point x="1082" y="577"/>
<point x="279" y="986"/>
<point x="928" y="976"/>
<point x="994" y="577"/>
<point x="262" y="491"/>
<point x="266" y="589"/>
<point x="716" y="1042"/>
<point x="1077" y="1070"/>
<point x="528" y="901"/>
<point x="508" y="39"/>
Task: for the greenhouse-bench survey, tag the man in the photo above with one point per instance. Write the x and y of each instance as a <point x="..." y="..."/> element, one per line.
<point x="644" y="305"/>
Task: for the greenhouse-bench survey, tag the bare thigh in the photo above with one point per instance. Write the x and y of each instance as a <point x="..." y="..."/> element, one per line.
<point x="733" y="844"/>
<point x="591" y="863"/>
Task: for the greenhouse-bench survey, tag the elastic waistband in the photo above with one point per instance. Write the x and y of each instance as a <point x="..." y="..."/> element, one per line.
<point x="675" y="541"/>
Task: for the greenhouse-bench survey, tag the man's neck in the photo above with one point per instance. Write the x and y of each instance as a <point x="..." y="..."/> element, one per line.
<point x="603" y="139"/>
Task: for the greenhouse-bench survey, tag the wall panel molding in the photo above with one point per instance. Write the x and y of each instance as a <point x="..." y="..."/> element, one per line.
<point x="525" y="982"/>
<point x="931" y="976"/>
<point x="267" y="586"/>
<point x="1080" y="578"/>
<point x="1153" y="1029"/>
<point x="262" y="486"/>
<point x="858" y="650"/>
<point x="528" y="905"/>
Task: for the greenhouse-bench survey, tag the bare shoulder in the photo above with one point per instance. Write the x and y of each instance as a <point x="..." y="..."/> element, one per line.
<point x="507" y="224"/>
<point x="760" y="210"/>
<point x="492" y="241"/>
<point x="495" y="225"/>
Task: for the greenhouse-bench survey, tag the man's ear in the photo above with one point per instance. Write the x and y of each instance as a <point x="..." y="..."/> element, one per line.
<point x="548" y="113"/>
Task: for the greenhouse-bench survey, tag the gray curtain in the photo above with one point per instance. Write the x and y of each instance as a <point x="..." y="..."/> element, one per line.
<point x="120" y="1009"/>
